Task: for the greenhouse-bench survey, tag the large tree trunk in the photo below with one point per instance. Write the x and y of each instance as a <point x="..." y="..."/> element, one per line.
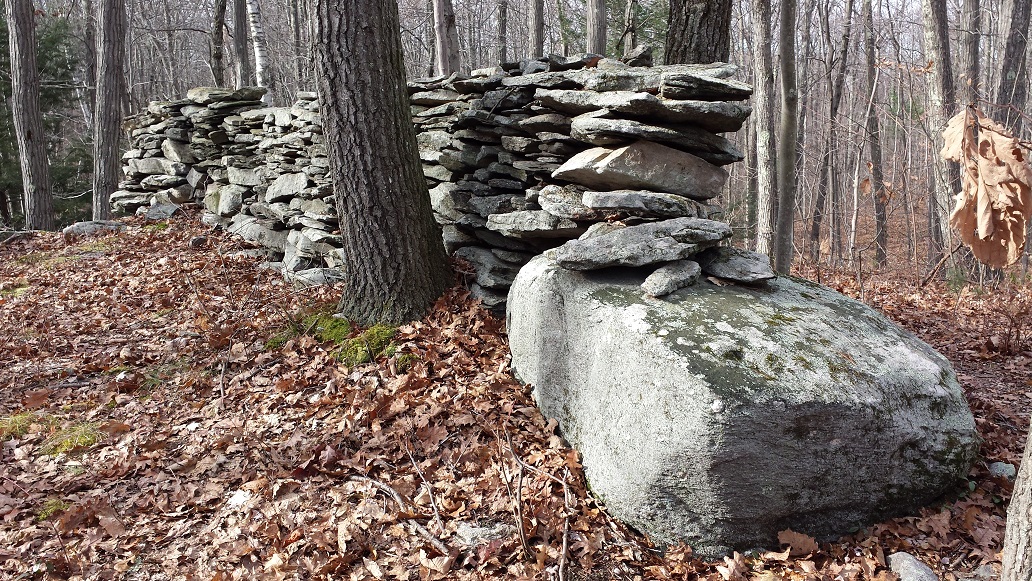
<point x="874" y="141"/>
<point x="763" y="116"/>
<point x="244" y="71"/>
<point x="825" y="173"/>
<point x="503" y="24"/>
<point x="597" y="26"/>
<point x="1017" y="544"/>
<point x="788" y="141"/>
<point x="218" y="43"/>
<point x="395" y="265"/>
<point x="447" y="36"/>
<point x="537" y="28"/>
<point x="28" y="119"/>
<point x="111" y="52"/>
<point x="943" y="97"/>
<point x="630" y="34"/>
<point x="699" y="31"/>
<point x="262" y="67"/>
<point x="1013" y="88"/>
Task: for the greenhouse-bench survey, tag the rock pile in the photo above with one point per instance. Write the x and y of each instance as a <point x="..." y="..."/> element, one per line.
<point x="260" y="172"/>
<point x="526" y="157"/>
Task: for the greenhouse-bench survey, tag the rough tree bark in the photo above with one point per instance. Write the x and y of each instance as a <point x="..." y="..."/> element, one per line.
<point x="597" y="26"/>
<point x="395" y="265"/>
<point x="537" y="28"/>
<point x="630" y="34"/>
<point x="503" y="24"/>
<point x="881" y="238"/>
<point x="788" y="141"/>
<point x="970" y="38"/>
<point x="825" y="173"/>
<point x="244" y="71"/>
<point x="763" y="116"/>
<point x="218" y="43"/>
<point x="1017" y="543"/>
<point x="262" y="67"/>
<point x="699" y="31"/>
<point x="1012" y="91"/>
<point x="27" y="116"/>
<point x="447" y="36"/>
<point x="942" y="94"/>
<point x="107" y="164"/>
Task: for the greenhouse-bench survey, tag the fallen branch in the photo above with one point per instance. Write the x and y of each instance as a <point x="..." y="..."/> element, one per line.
<point x="429" y="490"/>
<point x="938" y="266"/>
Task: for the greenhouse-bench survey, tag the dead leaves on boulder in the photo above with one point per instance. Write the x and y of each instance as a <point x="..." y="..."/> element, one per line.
<point x="995" y="201"/>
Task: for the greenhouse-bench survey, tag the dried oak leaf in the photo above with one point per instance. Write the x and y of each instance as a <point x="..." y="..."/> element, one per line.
<point x="995" y="201"/>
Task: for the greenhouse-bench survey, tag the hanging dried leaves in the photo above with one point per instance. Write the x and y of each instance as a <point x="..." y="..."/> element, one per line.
<point x="995" y="201"/>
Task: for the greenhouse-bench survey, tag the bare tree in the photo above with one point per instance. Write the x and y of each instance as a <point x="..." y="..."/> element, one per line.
<point x="28" y="119"/>
<point x="698" y="31"/>
<point x="970" y="38"/>
<point x="262" y="67"/>
<point x="395" y="264"/>
<point x="596" y="25"/>
<point x="874" y="141"/>
<point x="788" y="140"/>
<point x="1012" y="91"/>
<point x="106" y="130"/>
<point x="1017" y="543"/>
<point x="537" y="28"/>
<point x="447" y="37"/>
<point x="763" y="117"/>
<point x="503" y="24"/>
<point x="245" y="73"/>
<point x="218" y="42"/>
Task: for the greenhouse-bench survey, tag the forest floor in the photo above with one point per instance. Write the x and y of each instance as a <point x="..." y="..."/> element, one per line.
<point x="170" y="411"/>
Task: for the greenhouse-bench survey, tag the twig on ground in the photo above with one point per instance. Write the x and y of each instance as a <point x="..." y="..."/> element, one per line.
<point x="429" y="490"/>
<point x="517" y="504"/>
<point x="564" y="556"/>
<point x="193" y="287"/>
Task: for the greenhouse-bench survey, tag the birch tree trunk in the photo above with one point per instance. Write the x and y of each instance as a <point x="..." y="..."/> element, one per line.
<point x="27" y="117"/>
<point x="107" y="162"/>
<point x="395" y="265"/>
<point x="881" y="239"/>
<point x="1017" y="543"/>
<point x="503" y="23"/>
<point x="244" y="71"/>
<point x="447" y="36"/>
<point x="537" y="28"/>
<point x="218" y="42"/>
<point x="597" y="26"/>
<point x="763" y="116"/>
<point x="262" y="71"/>
<point x="788" y="141"/>
<point x="699" y="31"/>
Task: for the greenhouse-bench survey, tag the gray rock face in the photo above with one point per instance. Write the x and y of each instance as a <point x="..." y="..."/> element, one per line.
<point x="716" y="117"/>
<point x="286" y="187"/>
<point x="910" y="568"/>
<point x="531" y="224"/>
<point x="703" y="144"/>
<point x="722" y="415"/>
<point x="671" y="277"/>
<point x="736" y="264"/>
<point x="643" y="204"/>
<point x="644" y="165"/>
<point x="179" y="152"/>
<point x="643" y="244"/>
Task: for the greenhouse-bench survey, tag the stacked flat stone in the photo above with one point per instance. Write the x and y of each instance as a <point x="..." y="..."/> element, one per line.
<point x="529" y="156"/>
<point x="260" y="172"/>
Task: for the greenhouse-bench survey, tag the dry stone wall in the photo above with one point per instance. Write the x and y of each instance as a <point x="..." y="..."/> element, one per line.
<point x="518" y="159"/>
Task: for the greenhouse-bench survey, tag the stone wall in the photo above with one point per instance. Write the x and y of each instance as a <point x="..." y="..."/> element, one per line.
<point x="518" y="159"/>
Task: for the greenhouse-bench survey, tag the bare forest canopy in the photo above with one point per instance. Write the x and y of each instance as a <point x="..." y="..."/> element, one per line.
<point x="846" y="208"/>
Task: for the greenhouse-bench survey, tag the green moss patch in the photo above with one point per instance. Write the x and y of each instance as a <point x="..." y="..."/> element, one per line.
<point x="51" y="507"/>
<point x="72" y="438"/>
<point x="16" y="426"/>
<point x="375" y="342"/>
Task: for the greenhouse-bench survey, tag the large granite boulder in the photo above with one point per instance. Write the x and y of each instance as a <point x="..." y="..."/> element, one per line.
<point x="721" y="415"/>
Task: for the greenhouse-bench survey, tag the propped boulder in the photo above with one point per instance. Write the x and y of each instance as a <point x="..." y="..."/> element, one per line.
<point x="721" y="415"/>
